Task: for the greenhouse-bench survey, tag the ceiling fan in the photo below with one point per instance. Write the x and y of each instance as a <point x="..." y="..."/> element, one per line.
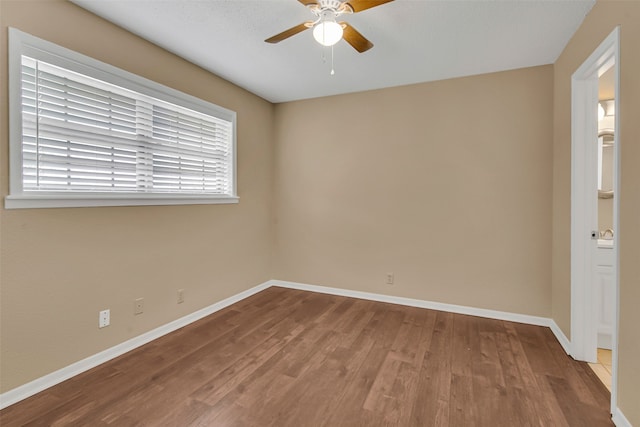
<point x="326" y="30"/>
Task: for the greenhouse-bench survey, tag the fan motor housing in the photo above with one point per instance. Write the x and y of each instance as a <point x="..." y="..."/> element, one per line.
<point x="334" y="5"/>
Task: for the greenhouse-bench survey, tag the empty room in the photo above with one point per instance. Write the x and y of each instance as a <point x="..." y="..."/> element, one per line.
<point x="320" y="213"/>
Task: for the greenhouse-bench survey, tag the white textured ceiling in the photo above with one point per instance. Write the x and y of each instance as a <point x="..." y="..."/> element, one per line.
<point x="414" y="40"/>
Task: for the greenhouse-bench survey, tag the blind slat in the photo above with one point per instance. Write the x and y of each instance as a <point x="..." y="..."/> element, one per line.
<point x="67" y="105"/>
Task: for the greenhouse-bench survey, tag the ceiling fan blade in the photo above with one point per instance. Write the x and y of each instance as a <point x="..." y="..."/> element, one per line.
<point x="290" y="32"/>
<point x="355" y="39"/>
<point x="360" y="5"/>
<point x="308" y="2"/>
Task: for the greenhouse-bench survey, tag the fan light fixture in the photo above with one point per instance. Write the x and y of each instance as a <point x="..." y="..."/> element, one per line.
<point x="327" y="32"/>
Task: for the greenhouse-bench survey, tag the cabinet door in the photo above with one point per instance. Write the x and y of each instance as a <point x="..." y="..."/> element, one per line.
<point x="604" y="298"/>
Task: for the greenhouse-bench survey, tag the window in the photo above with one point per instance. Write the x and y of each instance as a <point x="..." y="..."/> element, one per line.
<point x="84" y="133"/>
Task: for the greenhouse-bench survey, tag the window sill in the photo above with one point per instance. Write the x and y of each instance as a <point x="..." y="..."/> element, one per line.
<point x="77" y="201"/>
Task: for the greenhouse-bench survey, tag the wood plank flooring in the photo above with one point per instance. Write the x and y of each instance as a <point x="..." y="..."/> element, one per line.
<point x="292" y="358"/>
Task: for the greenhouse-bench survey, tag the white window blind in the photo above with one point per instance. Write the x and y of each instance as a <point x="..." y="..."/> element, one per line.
<point x="86" y="137"/>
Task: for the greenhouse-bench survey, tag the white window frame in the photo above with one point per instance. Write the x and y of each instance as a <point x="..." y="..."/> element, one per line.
<point x="20" y="44"/>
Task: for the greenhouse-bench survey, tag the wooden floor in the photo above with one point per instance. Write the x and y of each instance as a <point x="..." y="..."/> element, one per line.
<point x="291" y="358"/>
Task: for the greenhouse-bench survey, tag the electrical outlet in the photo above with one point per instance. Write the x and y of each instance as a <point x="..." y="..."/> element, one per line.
<point x="389" y="278"/>
<point x="138" y="306"/>
<point x="104" y="318"/>
<point x="180" y="296"/>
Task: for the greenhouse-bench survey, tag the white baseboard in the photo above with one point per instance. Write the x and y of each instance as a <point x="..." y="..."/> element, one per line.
<point x="29" y="389"/>
<point x="561" y="337"/>
<point x="22" y="392"/>
<point x="619" y="419"/>
<point x="460" y="309"/>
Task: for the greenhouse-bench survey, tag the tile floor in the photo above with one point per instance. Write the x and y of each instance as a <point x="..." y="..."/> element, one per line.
<point x="603" y="367"/>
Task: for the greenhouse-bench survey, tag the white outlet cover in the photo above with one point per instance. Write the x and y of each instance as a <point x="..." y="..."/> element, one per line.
<point x="104" y="318"/>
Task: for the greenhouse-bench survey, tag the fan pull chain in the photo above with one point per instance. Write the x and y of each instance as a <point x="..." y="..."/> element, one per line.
<point x="324" y="59"/>
<point x="332" y="70"/>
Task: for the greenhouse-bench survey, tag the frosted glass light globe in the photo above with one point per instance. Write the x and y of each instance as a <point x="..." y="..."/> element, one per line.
<point x="327" y="33"/>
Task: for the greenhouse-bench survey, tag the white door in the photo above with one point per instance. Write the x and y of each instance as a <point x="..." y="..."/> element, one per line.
<point x="590" y="308"/>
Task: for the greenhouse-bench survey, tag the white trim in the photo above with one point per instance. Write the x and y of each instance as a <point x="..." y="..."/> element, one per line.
<point x="619" y="419"/>
<point x="583" y="214"/>
<point x="451" y="308"/>
<point x="94" y="200"/>
<point x="29" y="389"/>
<point x="21" y="43"/>
<point x="616" y="226"/>
<point x="560" y="336"/>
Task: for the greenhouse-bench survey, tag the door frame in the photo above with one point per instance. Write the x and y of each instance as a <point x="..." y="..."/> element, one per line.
<point x="584" y="157"/>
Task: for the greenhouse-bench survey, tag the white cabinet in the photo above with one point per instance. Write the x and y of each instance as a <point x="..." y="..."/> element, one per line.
<point x="604" y="297"/>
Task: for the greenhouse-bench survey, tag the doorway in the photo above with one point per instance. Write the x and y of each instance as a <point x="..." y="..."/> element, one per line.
<point x="586" y="154"/>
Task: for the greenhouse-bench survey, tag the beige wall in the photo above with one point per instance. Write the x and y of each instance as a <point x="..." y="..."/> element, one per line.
<point x="59" y="267"/>
<point x="604" y="17"/>
<point x="445" y="184"/>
